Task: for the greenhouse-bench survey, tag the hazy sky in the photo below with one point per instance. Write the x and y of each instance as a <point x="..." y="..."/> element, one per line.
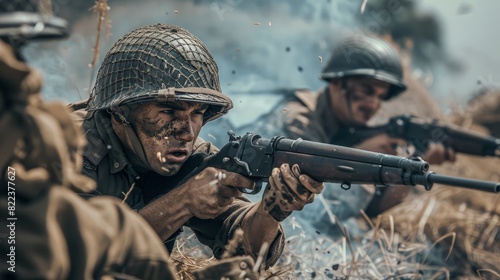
<point x="472" y="35"/>
<point x="272" y="44"/>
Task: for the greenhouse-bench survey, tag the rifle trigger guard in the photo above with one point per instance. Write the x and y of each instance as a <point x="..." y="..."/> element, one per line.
<point x="256" y="190"/>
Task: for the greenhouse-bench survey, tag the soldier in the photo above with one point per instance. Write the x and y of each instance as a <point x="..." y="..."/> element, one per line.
<point x="156" y="88"/>
<point x="363" y="72"/>
<point x="52" y="232"/>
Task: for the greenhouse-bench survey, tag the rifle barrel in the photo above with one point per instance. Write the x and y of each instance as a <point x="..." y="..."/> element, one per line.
<point x="465" y="183"/>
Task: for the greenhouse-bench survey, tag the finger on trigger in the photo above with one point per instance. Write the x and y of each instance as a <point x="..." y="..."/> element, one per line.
<point x="232" y="179"/>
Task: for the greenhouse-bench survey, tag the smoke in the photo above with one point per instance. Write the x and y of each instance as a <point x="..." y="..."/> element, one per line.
<point x="258" y="45"/>
<point x="264" y="46"/>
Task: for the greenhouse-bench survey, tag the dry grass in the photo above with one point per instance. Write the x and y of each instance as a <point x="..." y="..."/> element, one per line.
<point x="102" y="9"/>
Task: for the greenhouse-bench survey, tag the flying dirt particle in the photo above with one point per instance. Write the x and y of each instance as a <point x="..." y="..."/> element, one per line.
<point x="233" y="72"/>
<point x="109" y="147"/>
<point x="335" y="266"/>
<point x="176" y="12"/>
<point x="318" y="232"/>
<point x="256" y="23"/>
<point x="269" y="23"/>
<point x="165" y="169"/>
<point x="285" y="109"/>
<point x="214" y="182"/>
<point x="237" y="49"/>
<point x="320" y="58"/>
<point x="300" y="68"/>
<point x="287" y="49"/>
<point x="163" y="160"/>
<point x="211" y="136"/>
<point x="464" y="9"/>
<point x="166" y="137"/>
<point x="363" y="6"/>
<point x="158" y="156"/>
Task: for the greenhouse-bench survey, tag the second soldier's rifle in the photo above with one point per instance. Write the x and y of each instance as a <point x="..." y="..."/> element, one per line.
<point x="255" y="157"/>
<point x="421" y="133"/>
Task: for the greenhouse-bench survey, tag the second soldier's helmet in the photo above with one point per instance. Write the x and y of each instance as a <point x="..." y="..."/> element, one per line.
<point x="162" y="63"/>
<point x="366" y="56"/>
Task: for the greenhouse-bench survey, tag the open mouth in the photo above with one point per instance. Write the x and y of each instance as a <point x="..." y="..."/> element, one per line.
<point x="176" y="156"/>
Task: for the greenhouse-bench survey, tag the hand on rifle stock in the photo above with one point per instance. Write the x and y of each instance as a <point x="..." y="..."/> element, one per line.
<point x="288" y="190"/>
<point x="381" y="143"/>
<point x="437" y="153"/>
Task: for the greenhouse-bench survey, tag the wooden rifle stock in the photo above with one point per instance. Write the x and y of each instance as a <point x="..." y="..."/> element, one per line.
<point x="255" y="157"/>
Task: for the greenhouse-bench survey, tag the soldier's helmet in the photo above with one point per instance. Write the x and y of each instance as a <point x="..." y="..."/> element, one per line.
<point x="366" y="56"/>
<point x="162" y="63"/>
<point x="30" y="19"/>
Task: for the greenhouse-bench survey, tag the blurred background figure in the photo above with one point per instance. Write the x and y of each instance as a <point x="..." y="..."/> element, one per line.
<point x="53" y="233"/>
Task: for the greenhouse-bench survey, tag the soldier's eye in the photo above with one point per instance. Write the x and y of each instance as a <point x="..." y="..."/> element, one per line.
<point x="199" y="112"/>
<point x="168" y="112"/>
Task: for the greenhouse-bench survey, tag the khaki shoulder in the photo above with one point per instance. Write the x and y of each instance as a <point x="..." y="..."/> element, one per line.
<point x="202" y="146"/>
<point x="307" y="98"/>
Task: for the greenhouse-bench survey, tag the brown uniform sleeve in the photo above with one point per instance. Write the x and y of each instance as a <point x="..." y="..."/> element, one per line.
<point x="216" y="233"/>
<point x="61" y="236"/>
<point x="300" y="122"/>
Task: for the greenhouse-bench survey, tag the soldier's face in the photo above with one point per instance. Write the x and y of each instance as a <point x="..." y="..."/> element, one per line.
<point x="167" y="133"/>
<point x="366" y="96"/>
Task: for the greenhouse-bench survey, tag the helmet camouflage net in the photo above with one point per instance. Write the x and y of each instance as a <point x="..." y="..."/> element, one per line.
<point x="366" y="56"/>
<point x="161" y="63"/>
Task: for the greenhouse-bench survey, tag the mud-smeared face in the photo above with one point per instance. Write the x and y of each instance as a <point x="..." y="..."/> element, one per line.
<point x="167" y="132"/>
<point x="366" y="97"/>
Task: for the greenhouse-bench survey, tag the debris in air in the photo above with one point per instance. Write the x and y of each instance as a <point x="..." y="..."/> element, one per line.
<point x="363" y="6"/>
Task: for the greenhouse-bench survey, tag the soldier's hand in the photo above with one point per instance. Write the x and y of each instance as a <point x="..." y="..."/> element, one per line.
<point x="381" y="143"/>
<point x="288" y="190"/>
<point x="212" y="191"/>
<point x="437" y="153"/>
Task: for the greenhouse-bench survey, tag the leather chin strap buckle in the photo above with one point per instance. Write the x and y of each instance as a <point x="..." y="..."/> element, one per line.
<point x="166" y="95"/>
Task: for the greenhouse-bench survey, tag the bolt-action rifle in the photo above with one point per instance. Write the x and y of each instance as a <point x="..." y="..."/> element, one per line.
<point x="421" y="133"/>
<point x="255" y="157"/>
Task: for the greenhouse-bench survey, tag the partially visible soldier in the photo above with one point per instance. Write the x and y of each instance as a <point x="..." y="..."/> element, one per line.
<point x="52" y="232"/>
<point x="485" y="110"/>
<point x="156" y="88"/>
<point x="363" y="72"/>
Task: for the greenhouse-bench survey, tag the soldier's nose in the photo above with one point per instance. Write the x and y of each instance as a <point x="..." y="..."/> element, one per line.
<point x="185" y="131"/>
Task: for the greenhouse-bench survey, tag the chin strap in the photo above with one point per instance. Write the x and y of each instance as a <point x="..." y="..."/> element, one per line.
<point x="347" y="96"/>
<point x="129" y="138"/>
